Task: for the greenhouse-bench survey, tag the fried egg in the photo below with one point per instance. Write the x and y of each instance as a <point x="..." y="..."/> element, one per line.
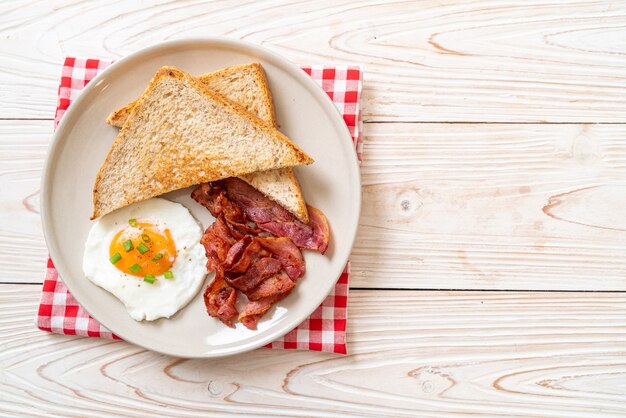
<point x="149" y="256"/>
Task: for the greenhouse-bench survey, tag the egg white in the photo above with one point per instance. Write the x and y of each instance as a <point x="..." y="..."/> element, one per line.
<point x="164" y="297"/>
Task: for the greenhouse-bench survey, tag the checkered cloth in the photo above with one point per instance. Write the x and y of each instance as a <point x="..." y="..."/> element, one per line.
<point x="324" y="330"/>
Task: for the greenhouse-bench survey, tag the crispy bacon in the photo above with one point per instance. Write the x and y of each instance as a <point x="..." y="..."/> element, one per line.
<point x="236" y="251"/>
<point x="289" y="255"/>
<point x="240" y="259"/>
<point x="261" y="269"/>
<point x="255" y="309"/>
<point x="277" y="284"/>
<point x="246" y="259"/>
<point x="217" y="240"/>
<point x="219" y="299"/>
<point x="271" y="217"/>
<point x="214" y="199"/>
<point x="261" y="299"/>
<point x="319" y="224"/>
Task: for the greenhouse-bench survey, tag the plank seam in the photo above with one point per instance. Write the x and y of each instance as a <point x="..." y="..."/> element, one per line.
<point x="409" y="289"/>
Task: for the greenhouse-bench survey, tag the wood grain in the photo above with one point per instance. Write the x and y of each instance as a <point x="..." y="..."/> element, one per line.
<point x="23" y="147"/>
<point x="496" y="61"/>
<point x="474" y="206"/>
<point x="412" y="354"/>
<point x="445" y="206"/>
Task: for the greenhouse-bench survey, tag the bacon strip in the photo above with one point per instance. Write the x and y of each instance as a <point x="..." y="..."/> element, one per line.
<point x="289" y="255"/>
<point x="261" y="299"/>
<point x="271" y="217"/>
<point x="217" y="241"/>
<point x="278" y="284"/>
<point x="220" y="299"/>
<point x="215" y="200"/>
<point x="319" y="224"/>
<point x="255" y="309"/>
<point x="264" y="268"/>
<point x="241" y="258"/>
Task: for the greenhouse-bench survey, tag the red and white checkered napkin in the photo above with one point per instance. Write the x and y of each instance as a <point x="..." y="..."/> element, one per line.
<point x="324" y="330"/>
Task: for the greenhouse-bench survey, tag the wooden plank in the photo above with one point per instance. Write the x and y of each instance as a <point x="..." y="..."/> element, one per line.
<point x="456" y="206"/>
<point x="23" y="252"/>
<point x="412" y="354"/>
<point x="445" y="206"/>
<point x="431" y="60"/>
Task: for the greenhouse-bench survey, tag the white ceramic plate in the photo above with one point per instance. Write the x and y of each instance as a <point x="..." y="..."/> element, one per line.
<point x="82" y="140"/>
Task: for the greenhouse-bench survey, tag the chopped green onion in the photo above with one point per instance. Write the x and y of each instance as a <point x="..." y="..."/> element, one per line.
<point x="135" y="268"/>
<point x="132" y="222"/>
<point x="115" y="258"/>
<point x="142" y="248"/>
<point x="145" y="237"/>
<point x="168" y="275"/>
<point x="157" y="257"/>
<point x="148" y="278"/>
<point x="128" y="245"/>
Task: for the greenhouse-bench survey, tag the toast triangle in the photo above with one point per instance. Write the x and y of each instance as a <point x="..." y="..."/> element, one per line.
<point x="246" y="85"/>
<point x="181" y="133"/>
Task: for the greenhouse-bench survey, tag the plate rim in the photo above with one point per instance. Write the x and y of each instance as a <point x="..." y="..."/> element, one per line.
<point x="264" y="54"/>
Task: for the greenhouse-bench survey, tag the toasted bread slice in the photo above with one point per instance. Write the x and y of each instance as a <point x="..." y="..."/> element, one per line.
<point x="181" y="133"/>
<point x="246" y="85"/>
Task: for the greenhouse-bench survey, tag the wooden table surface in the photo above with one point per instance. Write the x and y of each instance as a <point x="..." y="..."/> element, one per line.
<point x="490" y="264"/>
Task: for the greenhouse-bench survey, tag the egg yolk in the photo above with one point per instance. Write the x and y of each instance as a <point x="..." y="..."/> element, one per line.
<point x="150" y="251"/>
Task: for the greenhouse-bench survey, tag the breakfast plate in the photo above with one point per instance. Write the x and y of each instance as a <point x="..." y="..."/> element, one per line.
<point x="81" y="143"/>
